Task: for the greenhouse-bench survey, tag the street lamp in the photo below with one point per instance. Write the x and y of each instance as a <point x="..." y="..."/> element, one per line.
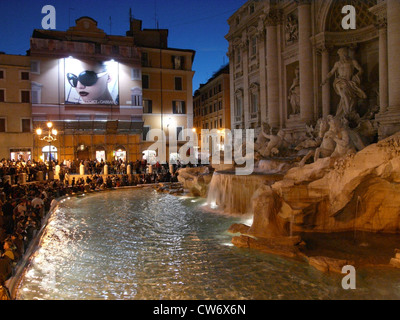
<point x="52" y="136"/>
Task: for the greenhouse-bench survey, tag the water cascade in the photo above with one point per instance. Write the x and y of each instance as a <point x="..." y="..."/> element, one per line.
<point x="233" y="194"/>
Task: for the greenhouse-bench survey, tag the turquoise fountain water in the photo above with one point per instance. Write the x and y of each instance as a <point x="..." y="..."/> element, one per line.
<point x="139" y="244"/>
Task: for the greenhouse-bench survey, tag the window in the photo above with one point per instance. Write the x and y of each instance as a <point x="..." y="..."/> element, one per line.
<point x="115" y="49"/>
<point x="35" y="67"/>
<point x="100" y="117"/>
<point x="254" y="100"/>
<point x="254" y="103"/>
<point x="1" y="74"/>
<point x="136" y="96"/>
<point x="25" y="96"/>
<point x="2" y="125"/>
<point x="146" y="130"/>
<point x="178" y="62"/>
<point x="178" y="83"/>
<point x="2" y="95"/>
<point x="147" y="106"/>
<point x="238" y="56"/>
<point x="178" y="132"/>
<point x="83" y="117"/>
<point x="253" y="46"/>
<point x="251" y="9"/>
<point x="97" y="48"/>
<point x="178" y="107"/>
<point x="238" y="109"/>
<point x="135" y="74"/>
<point x="145" y="81"/>
<point x="36" y="92"/>
<point x="220" y="123"/>
<point x="24" y="75"/>
<point x="26" y="125"/>
<point x="145" y="59"/>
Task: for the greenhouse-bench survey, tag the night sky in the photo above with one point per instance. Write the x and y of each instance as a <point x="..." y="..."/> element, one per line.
<point x="199" y="25"/>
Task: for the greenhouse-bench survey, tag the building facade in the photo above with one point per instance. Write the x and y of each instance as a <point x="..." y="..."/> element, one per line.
<point x="211" y="104"/>
<point x="167" y="89"/>
<point x="88" y="84"/>
<point x="281" y="53"/>
<point x="16" y="139"/>
<point x="104" y="93"/>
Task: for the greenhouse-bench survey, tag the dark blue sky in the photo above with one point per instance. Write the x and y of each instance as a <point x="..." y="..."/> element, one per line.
<point x="193" y="24"/>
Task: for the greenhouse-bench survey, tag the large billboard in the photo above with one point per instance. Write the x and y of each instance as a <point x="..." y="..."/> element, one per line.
<point x="91" y="82"/>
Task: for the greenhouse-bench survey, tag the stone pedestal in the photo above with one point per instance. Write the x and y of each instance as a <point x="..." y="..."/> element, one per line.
<point x="105" y="170"/>
<point x="129" y="169"/>
<point x="39" y="176"/>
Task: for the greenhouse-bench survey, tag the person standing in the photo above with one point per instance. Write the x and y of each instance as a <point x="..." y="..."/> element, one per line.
<point x="4" y="293"/>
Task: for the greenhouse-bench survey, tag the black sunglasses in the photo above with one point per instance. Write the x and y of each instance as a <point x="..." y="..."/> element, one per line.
<point x="87" y="78"/>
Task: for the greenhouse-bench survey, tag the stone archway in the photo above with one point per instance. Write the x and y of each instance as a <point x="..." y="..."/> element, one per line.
<point x="363" y="45"/>
<point x="330" y="15"/>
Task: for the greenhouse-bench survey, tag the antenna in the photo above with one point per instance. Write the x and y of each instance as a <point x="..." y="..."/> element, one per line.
<point x="130" y="15"/>
<point x="110" y="24"/>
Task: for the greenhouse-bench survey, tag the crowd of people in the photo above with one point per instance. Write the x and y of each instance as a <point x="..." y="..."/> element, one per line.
<point x="14" y="168"/>
<point x="24" y="206"/>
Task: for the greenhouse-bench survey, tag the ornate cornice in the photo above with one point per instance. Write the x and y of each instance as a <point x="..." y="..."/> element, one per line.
<point x="380" y="11"/>
<point x="273" y="18"/>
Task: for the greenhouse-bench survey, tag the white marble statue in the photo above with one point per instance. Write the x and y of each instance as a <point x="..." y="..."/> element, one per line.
<point x="294" y="93"/>
<point x="340" y="134"/>
<point x="275" y="143"/>
<point x="346" y="84"/>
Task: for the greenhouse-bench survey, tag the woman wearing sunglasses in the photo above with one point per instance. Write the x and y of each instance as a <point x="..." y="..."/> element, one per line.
<point x="91" y="86"/>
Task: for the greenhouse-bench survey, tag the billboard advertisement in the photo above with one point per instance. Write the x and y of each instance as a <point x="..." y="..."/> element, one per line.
<point x="91" y="82"/>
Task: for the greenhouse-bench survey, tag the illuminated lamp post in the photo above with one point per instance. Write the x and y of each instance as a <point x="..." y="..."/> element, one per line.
<point x="52" y="136"/>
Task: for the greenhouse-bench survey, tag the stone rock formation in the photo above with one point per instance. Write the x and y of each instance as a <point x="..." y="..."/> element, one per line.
<point x="355" y="192"/>
<point x="195" y="180"/>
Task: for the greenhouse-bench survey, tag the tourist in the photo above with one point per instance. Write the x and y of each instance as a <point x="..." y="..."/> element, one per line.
<point x="4" y="293"/>
<point x="8" y="252"/>
<point x="5" y="267"/>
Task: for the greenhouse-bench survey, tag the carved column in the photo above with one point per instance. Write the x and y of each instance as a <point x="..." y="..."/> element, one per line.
<point x="262" y="70"/>
<point x="245" y="65"/>
<point x="273" y="68"/>
<point x="231" y="57"/>
<point x="383" y="68"/>
<point x="326" y="89"/>
<point x="306" y="61"/>
<point x="393" y="45"/>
